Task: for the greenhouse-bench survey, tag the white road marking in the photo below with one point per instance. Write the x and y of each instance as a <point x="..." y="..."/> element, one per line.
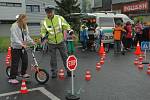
<point x="10" y="93"/>
<point x="42" y="89"/>
<point x="48" y="94"/>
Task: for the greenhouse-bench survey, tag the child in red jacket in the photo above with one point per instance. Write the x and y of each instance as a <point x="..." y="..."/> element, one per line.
<point x="129" y="40"/>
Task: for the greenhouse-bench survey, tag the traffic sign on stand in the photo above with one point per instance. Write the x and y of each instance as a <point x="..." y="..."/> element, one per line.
<point x="71" y="65"/>
<point x="145" y="46"/>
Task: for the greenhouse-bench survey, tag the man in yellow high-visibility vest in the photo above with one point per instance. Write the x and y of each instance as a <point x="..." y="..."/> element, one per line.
<point x="53" y="28"/>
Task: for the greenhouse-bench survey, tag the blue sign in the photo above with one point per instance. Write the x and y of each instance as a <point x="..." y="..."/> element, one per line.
<point x="145" y="45"/>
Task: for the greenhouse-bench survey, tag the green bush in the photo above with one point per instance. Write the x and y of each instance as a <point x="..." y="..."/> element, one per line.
<point x="5" y="42"/>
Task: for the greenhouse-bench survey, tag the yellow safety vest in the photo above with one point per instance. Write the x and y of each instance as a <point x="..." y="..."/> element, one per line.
<point x="54" y="27"/>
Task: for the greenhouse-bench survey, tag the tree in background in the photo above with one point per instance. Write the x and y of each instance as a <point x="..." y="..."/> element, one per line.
<point x="65" y="8"/>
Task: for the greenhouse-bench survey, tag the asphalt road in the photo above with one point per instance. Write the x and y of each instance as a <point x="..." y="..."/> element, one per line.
<point x="119" y="79"/>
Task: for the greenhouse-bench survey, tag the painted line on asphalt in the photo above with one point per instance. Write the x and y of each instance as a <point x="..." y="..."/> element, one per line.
<point x="16" y="92"/>
<point x="42" y="89"/>
<point x="10" y="93"/>
<point x="48" y="94"/>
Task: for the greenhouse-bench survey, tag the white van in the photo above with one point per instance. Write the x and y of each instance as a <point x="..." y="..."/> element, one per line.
<point x="106" y="21"/>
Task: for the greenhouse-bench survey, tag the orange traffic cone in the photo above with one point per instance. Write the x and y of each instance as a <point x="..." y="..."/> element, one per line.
<point x="140" y="65"/>
<point x="87" y="75"/>
<point x="9" y="52"/>
<point x="138" y="50"/>
<point x="98" y="66"/>
<point x="7" y="62"/>
<point x="148" y="70"/>
<point x="136" y="61"/>
<point x="101" y="49"/>
<point x="8" y="57"/>
<point x="24" y="89"/>
<point x="61" y="74"/>
<point x="102" y="61"/>
<point x="103" y="55"/>
<point x="140" y="58"/>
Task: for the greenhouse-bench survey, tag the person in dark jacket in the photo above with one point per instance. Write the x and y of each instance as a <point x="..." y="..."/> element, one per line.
<point x="138" y="31"/>
<point x="84" y="37"/>
<point x="129" y="40"/>
<point x="146" y="32"/>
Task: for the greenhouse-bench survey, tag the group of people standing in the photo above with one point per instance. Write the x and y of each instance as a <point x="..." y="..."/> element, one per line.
<point x="128" y="35"/>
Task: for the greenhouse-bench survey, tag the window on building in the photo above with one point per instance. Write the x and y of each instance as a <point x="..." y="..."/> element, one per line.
<point x="17" y="5"/>
<point x="33" y="24"/>
<point x="9" y="4"/>
<point x="33" y="8"/>
<point x="36" y="9"/>
<point x="7" y="21"/>
<point x="98" y="3"/>
<point x="29" y="8"/>
<point x="2" y="3"/>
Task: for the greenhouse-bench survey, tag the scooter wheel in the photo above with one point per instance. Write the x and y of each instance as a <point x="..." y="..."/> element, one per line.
<point x="8" y="71"/>
<point x="41" y="76"/>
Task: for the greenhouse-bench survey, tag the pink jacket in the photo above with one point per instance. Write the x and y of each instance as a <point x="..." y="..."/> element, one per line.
<point x="138" y="28"/>
<point x="129" y="31"/>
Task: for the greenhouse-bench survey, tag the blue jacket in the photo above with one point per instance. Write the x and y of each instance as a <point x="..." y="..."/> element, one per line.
<point x="83" y="35"/>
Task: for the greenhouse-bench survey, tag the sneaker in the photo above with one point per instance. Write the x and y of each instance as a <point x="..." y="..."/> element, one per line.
<point x="127" y="49"/>
<point x="54" y="75"/>
<point x="13" y="81"/>
<point x="25" y="76"/>
<point x="83" y="50"/>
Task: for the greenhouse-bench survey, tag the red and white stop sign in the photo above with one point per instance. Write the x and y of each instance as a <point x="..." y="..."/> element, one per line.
<point x="72" y="63"/>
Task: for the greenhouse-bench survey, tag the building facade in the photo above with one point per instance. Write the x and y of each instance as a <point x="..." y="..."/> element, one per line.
<point x="33" y="8"/>
<point x="133" y="8"/>
<point x="101" y="5"/>
<point x="35" y="12"/>
<point x="8" y="11"/>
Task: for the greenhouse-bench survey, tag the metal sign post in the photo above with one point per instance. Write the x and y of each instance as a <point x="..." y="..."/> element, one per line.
<point x="72" y="82"/>
<point x="145" y="55"/>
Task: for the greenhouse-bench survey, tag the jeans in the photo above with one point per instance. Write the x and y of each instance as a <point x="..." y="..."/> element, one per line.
<point x="129" y="42"/>
<point x="18" y="54"/>
<point x="117" y="46"/>
<point x="84" y="44"/>
<point x="62" y="49"/>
